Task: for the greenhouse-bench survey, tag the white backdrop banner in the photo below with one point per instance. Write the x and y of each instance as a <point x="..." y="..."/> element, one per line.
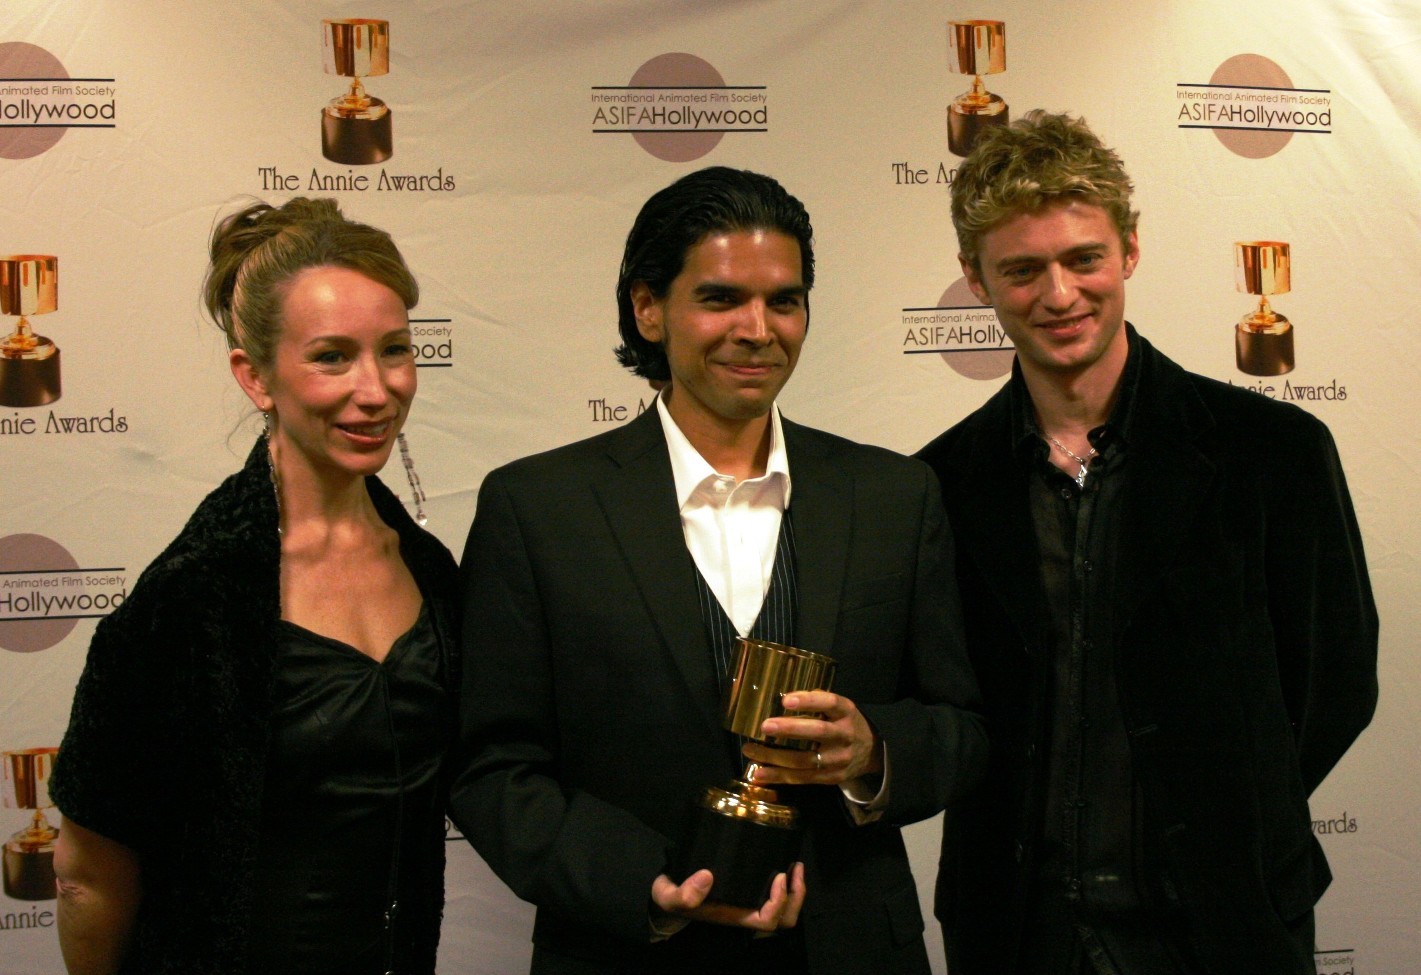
<point x="523" y="139"/>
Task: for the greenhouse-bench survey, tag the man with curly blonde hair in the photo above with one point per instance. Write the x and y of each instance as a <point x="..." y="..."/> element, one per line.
<point x="1166" y="606"/>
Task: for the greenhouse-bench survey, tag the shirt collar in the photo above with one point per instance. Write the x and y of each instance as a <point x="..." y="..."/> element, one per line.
<point x="1026" y="436"/>
<point x="690" y="470"/>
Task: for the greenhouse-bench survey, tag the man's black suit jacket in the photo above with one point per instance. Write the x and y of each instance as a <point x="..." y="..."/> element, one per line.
<point x="1246" y="662"/>
<point x="591" y="709"/>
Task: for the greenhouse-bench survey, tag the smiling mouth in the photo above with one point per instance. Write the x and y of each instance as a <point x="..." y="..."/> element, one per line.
<point x="367" y="431"/>
<point x="1064" y="324"/>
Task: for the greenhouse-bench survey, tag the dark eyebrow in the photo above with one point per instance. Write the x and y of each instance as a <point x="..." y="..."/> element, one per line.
<point x="714" y="287"/>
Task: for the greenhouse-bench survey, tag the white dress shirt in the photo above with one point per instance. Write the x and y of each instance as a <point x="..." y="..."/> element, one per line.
<point x="732" y="529"/>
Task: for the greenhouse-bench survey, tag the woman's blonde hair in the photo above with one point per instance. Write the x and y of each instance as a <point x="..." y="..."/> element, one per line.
<point x="258" y="250"/>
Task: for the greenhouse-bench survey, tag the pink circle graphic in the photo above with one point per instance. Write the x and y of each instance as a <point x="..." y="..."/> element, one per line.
<point x="982" y="364"/>
<point x="677" y="70"/>
<point x="26" y="554"/>
<point x="21" y="60"/>
<point x="1251" y="71"/>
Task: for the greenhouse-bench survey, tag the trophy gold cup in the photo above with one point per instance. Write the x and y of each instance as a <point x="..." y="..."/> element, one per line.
<point x="29" y="363"/>
<point x="356" y="127"/>
<point x="29" y="853"/>
<point x="975" y="47"/>
<point x="741" y="832"/>
<point x="1263" y="340"/>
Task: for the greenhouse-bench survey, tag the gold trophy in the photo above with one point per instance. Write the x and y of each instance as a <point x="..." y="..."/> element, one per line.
<point x="356" y="128"/>
<point x="29" y="854"/>
<point x="29" y="363"/>
<point x="1263" y="340"/>
<point x="742" y="832"/>
<point x="975" y="47"/>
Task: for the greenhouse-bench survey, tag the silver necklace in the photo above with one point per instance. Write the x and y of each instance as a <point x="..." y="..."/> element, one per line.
<point x="1082" y="461"/>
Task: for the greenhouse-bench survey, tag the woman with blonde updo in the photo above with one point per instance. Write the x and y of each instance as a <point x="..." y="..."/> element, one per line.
<point x="253" y="777"/>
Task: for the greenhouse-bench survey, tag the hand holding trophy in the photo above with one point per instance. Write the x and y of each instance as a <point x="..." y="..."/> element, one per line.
<point x="741" y="832"/>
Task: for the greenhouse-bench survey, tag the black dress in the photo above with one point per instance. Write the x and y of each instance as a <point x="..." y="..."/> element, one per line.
<point x="352" y="799"/>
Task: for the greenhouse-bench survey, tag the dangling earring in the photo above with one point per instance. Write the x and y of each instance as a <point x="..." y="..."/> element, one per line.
<point x="271" y="468"/>
<point x="415" y="489"/>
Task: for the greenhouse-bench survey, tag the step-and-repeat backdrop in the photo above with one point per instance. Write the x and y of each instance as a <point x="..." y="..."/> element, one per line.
<point x="522" y="138"/>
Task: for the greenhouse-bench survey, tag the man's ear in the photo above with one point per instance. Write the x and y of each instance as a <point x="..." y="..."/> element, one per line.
<point x="647" y="308"/>
<point x="250" y="378"/>
<point x="974" y="280"/>
<point x="1132" y="253"/>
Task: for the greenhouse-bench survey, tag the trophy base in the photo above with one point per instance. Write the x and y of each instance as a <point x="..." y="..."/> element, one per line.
<point x="357" y="141"/>
<point x="963" y="130"/>
<point x="29" y="874"/>
<point x="29" y="382"/>
<point x="1266" y="353"/>
<point x="742" y="852"/>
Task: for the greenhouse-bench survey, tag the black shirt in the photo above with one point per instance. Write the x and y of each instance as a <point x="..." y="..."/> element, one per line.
<point x="1092" y="831"/>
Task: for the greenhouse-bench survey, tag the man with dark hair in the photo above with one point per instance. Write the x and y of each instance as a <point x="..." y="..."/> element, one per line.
<point x="606" y="582"/>
<point x="1165" y="601"/>
<point x="674" y="220"/>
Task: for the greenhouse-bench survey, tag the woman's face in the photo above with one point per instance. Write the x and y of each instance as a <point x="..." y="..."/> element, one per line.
<point x="342" y="376"/>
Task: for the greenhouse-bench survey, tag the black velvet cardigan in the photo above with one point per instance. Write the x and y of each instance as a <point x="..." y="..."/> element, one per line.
<point x="1245" y="655"/>
<point x="167" y="740"/>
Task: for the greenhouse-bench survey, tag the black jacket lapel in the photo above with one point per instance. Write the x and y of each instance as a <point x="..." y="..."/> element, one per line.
<point x="822" y="500"/>
<point x="993" y="532"/>
<point x="1168" y="477"/>
<point x="639" y="498"/>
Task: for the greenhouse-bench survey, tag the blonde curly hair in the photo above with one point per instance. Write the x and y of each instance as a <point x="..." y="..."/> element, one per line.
<point x="1021" y="167"/>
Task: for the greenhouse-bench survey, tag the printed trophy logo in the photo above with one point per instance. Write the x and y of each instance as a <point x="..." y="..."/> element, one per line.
<point x="356" y="127"/>
<point x="29" y="853"/>
<point x="1263" y="340"/>
<point x="975" y="47"/>
<point x="29" y="363"/>
<point x="742" y="832"/>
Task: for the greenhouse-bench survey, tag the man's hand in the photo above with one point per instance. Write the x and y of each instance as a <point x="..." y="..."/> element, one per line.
<point x="846" y="745"/>
<point x="689" y="901"/>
